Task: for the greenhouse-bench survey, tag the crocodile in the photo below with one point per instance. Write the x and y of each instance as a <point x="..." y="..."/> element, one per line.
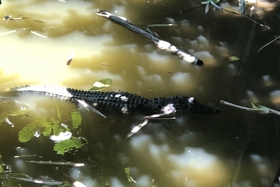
<point x="161" y="44"/>
<point x="123" y="102"/>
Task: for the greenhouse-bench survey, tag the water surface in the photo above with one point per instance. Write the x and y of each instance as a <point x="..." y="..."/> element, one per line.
<point x="234" y="148"/>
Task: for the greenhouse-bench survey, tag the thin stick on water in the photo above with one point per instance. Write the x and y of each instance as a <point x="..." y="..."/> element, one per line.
<point x="137" y="128"/>
<point x="56" y="163"/>
<point x="265" y="45"/>
<point x="262" y="25"/>
<point x="238" y="106"/>
<point x="84" y="104"/>
<point x="260" y="109"/>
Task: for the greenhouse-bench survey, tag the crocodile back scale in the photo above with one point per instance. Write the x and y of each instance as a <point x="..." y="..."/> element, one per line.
<point x="123" y="102"/>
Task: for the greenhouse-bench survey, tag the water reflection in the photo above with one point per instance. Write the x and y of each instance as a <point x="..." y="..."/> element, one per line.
<point x="235" y="147"/>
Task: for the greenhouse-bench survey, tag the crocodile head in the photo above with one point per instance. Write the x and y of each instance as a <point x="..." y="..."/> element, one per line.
<point x="188" y="105"/>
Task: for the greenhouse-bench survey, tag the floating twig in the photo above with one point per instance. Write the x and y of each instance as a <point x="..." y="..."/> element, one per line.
<point x="70" y="58"/>
<point x="10" y="18"/>
<point x="56" y="163"/>
<point x="265" y="45"/>
<point x="37" y="34"/>
<point x="86" y="105"/>
<point x="232" y="12"/>
<point x="255" y="108"/>
<point x="8" y="32"/>
<point x="137" y="128"/>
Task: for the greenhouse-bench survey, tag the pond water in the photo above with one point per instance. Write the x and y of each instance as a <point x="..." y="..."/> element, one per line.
<point x="234" y="148"/>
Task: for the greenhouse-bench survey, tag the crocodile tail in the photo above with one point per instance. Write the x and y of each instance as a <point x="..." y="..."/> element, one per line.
<point x="58" y="92"/>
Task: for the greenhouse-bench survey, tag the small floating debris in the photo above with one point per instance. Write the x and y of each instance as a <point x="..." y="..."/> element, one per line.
<point x="161" y="44"/>
<point x="70" y="58"/>
<point x="233" y="58"/>
<point x="9" y="122"/>
<point x="39" y="21"/>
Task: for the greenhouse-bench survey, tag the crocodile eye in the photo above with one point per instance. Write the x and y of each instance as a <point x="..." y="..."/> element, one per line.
<point x="191" y="100"/>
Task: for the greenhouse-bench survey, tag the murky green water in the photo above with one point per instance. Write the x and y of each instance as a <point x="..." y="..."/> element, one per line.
<point x="235" y="148"/>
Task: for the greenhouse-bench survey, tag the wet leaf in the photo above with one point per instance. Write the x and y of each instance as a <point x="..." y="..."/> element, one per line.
<point x="67" y="145"/>
<point x="101" y="84"/>
<point x="233" y="58"/>
<point x="47" y="131"/>
<point x="56" y="129"/>
<point x="76" y="118"/>
<point x="1" y="169"/>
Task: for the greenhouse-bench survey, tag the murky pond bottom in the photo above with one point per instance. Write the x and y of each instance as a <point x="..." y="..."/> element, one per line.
<point x="234" y="148"/>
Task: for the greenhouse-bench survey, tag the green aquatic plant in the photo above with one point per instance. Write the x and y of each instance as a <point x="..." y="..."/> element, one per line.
<point x="55" y="129"/>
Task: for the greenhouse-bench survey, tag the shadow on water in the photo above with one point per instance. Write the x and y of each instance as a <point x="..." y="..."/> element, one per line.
<point x="234" y="148"/>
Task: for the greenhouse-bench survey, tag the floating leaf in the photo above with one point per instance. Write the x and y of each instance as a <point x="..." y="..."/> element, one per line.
<point x="67" y="145"/>
<point x="47" y="131"/>
<point x="233" y="58"/>
<point x="57" y="129"/>
<point x="101" y="84"/>
<point x="29" y="130"/>
<point x="76" y="118"/>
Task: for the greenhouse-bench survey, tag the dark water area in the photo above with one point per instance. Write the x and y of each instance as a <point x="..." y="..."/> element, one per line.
<point x="235" y="148"/>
